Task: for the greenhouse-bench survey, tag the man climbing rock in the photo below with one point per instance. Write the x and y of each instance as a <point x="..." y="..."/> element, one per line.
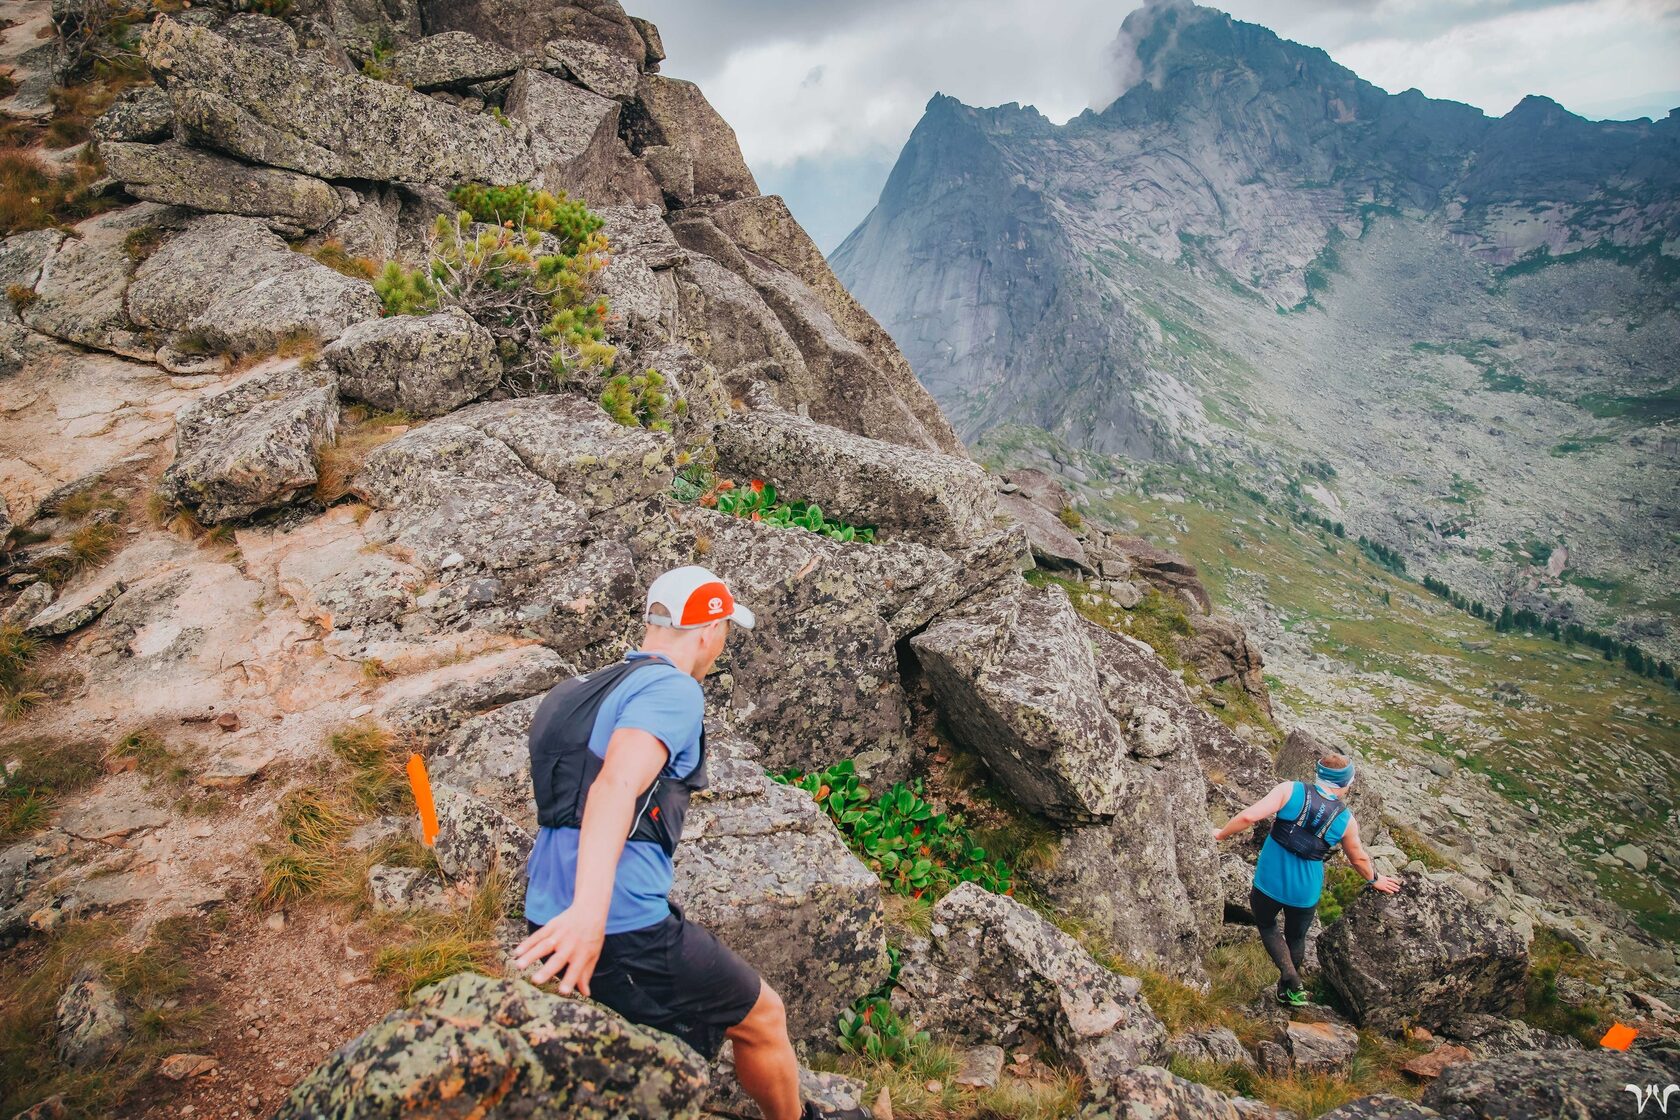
<point x="1308" y="823"/>
<point x="615" y="755"/>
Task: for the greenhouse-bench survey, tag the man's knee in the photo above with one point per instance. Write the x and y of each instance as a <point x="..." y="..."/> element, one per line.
<point x="766" y="1022"/>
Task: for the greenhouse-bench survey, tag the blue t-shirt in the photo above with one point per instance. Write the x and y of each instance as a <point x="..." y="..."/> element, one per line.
<point x="1285" y="876"/>
<point x="667" y="703"/>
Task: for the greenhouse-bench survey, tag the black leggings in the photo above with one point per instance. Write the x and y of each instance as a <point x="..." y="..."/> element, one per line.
<point x="1288" y="949"/>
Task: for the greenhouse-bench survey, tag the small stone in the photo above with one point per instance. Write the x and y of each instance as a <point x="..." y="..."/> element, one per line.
<point x="228" y="721"/>
<point x="1427" y="1067"/>
<point x="935" y="1086"/>
<point x="348" y="979"/>
<point x="981" y="1067"/>
<point x="276" y="921"/>
<point x="179" y="1067"/>
<point x="91" y="1024"/>
<point x="361" y="710"/>
<point x="1632" y="855"/>
<point x="46" y="919"/>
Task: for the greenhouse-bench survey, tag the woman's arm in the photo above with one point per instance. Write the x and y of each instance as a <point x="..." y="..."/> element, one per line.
<point x="1361" y="860"/>
<point x="1266" y="807"/>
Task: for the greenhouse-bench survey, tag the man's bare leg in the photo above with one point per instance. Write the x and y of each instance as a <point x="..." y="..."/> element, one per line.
<point x="764" y="1061"/>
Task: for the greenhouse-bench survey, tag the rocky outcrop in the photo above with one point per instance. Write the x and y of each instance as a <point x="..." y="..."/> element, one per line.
<point x="1589" y="1084"/>
<point x="451" y="60"/>
<point x="304" y="115"/>
<point x="992" y="968"/>
<point x="502" y="1048"/>
<point x="1425" y="956"/>
<point x="518" y="24"/>
<point x="252" y="447"/>
<point x="1093" y="731"/>
<point x="181" y="176"/>
<point x="1381" y="1107"/>
<point x="680" y="117"/>
<point x="762" y="867"/>
<point x="229" y="283"/>
<point x="919" y="495"/>
<point x="424" y="365"/>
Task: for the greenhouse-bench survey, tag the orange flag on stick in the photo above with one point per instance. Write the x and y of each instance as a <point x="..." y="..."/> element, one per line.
<point x="1618" y="1037"/>
<point x="422" y="786"/>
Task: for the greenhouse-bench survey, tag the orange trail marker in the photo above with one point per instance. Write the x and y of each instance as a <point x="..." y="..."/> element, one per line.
<point x="1618" y="1037"/>
<point x="422" y="787"/>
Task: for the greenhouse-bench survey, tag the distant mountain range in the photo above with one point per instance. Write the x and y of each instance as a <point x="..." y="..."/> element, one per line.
<point x="1454" y="333"/>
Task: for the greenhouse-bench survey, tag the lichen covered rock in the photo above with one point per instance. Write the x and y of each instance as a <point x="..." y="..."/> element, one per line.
<point x="183" y="176"/>
<point x="425" y="365"/>
<point x="451" y="60"/>
<point x="252" y="447"/>
<point x="992" y="968"/>
<point x="473" y="1046"/>
<point x="1425" y="956"/>
<point x="1552" y="1085"/>
<point x="924" y="496"/>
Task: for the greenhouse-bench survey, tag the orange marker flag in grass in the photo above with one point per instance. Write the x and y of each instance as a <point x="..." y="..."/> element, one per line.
<point x="1618" y="1037"/>
<point x="422" y="787"/>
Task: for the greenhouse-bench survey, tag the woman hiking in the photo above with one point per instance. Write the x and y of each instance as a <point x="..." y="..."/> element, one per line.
<point x="1308" y="823"/>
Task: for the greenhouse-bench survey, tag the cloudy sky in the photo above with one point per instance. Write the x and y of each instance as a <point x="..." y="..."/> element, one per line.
<point x="823" y="93"/>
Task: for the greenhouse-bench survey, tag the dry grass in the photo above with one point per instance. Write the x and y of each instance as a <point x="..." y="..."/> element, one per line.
<point x="20" y="296"/>
<point x="153" y="983"/>
<point x="360" y="431"/>
<point x="142" y="243"/>
<point x="21" y="688"/>
<point x="81" y="506"/>
<point x="76" y="107"/>
<point x="378" y="780"/>
<point x="436" y="946"/>
<point x="37" y="774"/>
<point x="92" y="545"/>
<point x="332" y="253"/>
<point x="36" y="196"/>
<point x="924" y="1088"/>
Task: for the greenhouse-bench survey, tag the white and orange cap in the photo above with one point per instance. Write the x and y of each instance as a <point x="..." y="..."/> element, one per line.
<point x="694" y="596"/>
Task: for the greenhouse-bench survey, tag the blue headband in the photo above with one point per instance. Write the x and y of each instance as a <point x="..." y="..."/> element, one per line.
<point x="1337" y="777"/>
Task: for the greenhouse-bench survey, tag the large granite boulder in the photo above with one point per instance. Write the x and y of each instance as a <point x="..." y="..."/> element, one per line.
<point x="141" y="115"/>
<point x="594" y="67"/>
<point x="761" y="866"/>
<point x="473" y="1046"/>
<point x="306" y="115"/>
<point x="921" y="495"/>
<point x="1167" y="570"/>
<point x="1551" y="1085"/>
<point x="1017" y="679"/>
<point x="1221" y="651"/>
<point x="817" y="679"/>
<point x="991" y="968"/>
<point x="182" y="176"/>
<point x="1092" y="730"/>
<point x="424" y="365"/>
<point x="232" y="284"/>
<point x="451" y="60"/>
<point x="521" y="25"/>
<point x="1425" y="956"/>
<point x="82" y="285"/>
<point x="252" y="447"/>
<point x="575" y="142"/>
<point x="679" y="116"/>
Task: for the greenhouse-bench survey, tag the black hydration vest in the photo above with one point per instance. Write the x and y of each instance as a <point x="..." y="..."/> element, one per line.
<point x="563" y="767"/>
<point x="1304" y="836"/>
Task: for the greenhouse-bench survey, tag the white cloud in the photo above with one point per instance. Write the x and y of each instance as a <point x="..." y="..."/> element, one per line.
<point x="815" y="81"/>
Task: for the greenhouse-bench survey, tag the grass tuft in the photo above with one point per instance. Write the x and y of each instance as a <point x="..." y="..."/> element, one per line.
<point x="34" y="775"/>
<point x="21" y="688"/>
<point x="378" y="768"/>
<point x="438" y="946"/>
<point x="361" y="431"/>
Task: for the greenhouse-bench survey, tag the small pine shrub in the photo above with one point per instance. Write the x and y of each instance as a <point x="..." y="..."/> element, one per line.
<point x="567" y="219"/>
<point x="1071" y="518"/>
<point x="639" y="401"/>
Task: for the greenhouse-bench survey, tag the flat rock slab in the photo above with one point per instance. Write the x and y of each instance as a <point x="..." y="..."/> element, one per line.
<point x="110" y="817"/>
<point x="451" y="60"/>
<point x="75" y="610"/>
<point x="593" y="67"/>
<point x="922" y="495"/>
<point x="181" y="176"/>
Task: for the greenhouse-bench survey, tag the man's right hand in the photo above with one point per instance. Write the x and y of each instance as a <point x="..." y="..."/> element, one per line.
<point x="572" y="944"/>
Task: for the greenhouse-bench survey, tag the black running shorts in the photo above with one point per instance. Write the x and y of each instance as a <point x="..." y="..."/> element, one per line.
<point x="675" y="977"/>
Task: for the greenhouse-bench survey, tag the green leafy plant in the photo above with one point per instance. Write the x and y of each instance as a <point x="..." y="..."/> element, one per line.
<point x="757" y="501"/>
<point x="537" y="304"/>
<point x="872" y="1029"/>
<point x="914" y="850"/>
<point x="640" y="401"/>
